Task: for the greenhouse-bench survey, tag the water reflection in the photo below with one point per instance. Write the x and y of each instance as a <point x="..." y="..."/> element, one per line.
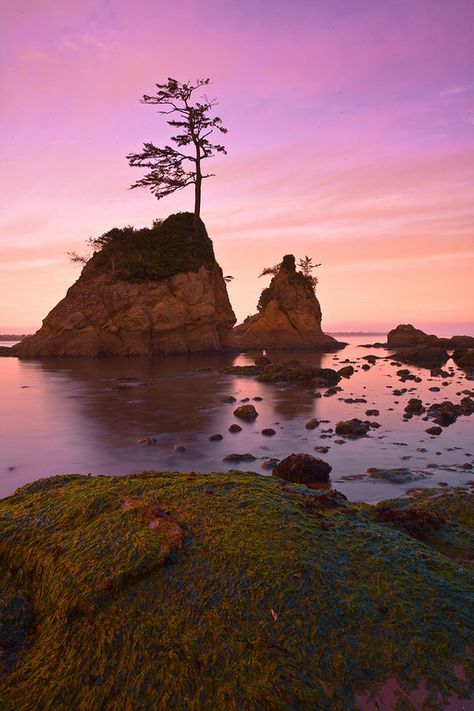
<point x="87" y="415"/>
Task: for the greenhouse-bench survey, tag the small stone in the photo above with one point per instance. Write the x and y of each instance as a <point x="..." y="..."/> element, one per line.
<point x="215" y="438"/>
<point x="246" y="412"/>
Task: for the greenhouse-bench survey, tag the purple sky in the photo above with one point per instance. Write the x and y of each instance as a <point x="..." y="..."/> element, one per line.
<point x="351" y="139"/>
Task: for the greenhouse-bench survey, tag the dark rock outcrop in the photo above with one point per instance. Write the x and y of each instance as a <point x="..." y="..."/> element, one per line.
<point x="405" y="335"/>
<point x="151" y="292"/>
<point x="464" y="358"/>
<point x="302" y="469"/>
<point x="353" y="428"/>
<point x="289" y="316"/>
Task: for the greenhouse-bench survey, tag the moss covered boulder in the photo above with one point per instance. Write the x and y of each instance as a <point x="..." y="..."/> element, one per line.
<point x="229" y="591"/>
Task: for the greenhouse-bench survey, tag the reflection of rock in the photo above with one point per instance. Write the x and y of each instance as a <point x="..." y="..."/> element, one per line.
<point x="180" y="312"/>
<point x="426" y="357"/>
<point x="302" y="468"/>
<point x="290" y="316"/>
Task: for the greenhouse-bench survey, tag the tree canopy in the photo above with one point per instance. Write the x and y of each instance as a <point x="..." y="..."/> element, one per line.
<point x="175" y="167"/>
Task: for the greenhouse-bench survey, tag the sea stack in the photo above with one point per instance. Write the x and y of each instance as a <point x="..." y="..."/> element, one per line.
<point x="156" y="291"/>
<point x="289" y="315"/>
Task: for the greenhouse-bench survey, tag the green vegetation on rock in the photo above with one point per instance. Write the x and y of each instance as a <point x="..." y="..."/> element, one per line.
<point x="155" y="253"/>
<point x="227" y="591"/>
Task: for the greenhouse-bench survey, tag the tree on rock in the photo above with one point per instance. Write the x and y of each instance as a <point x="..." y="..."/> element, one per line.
<point x="171" y="168"/>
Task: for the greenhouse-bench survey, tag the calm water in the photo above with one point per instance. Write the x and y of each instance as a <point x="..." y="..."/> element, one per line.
<point x="87" y="415"/>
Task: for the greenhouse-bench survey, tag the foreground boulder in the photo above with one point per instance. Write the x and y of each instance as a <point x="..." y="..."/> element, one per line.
<point x="302" y="469"/>
<point x="155" y="291"/>
<point x="229" y="591"/>
<point x="289" y="315"/>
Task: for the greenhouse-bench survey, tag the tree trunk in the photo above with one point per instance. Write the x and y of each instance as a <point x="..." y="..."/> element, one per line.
<point x="197" y="191"/>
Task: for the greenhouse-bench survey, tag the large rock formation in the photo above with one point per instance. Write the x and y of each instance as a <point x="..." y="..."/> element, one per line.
<point x="289" y="315"/>
<point x="406" y="335"/>
<point x="146" y="292"/>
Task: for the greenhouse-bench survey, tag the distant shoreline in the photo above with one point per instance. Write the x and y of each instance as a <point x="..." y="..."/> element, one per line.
<point x="357" y="333"/>
<point x="13" y="336"/>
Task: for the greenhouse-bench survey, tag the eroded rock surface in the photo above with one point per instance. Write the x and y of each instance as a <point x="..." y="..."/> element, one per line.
<point x="290" y="315"/>
<point x="104" y="313"/>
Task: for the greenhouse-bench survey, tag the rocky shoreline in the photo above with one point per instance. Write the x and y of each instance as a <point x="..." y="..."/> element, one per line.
<point x="230" y="591"/>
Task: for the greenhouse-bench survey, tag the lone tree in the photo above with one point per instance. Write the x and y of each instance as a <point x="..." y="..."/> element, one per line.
<point x="172" y="168"/>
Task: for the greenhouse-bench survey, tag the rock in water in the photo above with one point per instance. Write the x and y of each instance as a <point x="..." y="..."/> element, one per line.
<point x="405" y="335"/>
<point x="302" y="469"/>
<point x="289" y="315"/>
<point x="154" y="291"/>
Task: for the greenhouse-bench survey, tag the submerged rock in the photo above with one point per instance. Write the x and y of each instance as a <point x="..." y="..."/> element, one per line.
<point x="302" y="469"/>
<point x="239" y="458"/>
<point x="295" y="372"/>
<point x="398" y="475"/>
<point x="289" y="316"/>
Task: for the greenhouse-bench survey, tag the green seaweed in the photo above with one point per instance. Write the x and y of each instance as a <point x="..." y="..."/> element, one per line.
<point x="249" y="593"/>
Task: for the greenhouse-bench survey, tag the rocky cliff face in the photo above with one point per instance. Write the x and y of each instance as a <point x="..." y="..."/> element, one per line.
<point x="186" y="312"/>
<point x="289" y="317"/>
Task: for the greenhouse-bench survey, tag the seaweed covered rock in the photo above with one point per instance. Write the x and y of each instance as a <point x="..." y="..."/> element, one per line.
<point x="229" y="591"/>
<point x="302" y="469"/>
<point x="153" y="291"/>
<point x="289" y="315"/>
<point x="295" y="372"/>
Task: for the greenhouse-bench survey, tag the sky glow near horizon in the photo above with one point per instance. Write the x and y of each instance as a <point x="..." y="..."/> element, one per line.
<point x="351" y="139"/>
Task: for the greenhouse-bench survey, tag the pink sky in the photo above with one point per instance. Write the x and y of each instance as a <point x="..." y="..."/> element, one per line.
<point x="351" y="139"/>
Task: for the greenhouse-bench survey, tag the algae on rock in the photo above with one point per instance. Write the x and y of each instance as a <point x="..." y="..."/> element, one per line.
<point x="228" y="591"/>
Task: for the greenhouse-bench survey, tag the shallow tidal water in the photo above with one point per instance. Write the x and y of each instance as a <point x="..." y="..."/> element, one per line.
<point x="87" y="416"/>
